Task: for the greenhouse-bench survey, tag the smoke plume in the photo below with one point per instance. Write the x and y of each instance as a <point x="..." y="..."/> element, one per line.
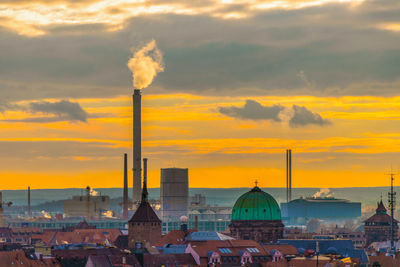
<point x="145" y="65"/>
<point x="45" y="214"/>
<point x="93" y="192"/>
<point x="323" y="193"/>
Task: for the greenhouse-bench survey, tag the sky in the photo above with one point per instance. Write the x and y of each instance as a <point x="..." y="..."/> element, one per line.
<point x="241" y="82"/>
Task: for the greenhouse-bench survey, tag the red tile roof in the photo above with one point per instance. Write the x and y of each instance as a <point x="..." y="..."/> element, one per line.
<point x="203" y="247"/>
<point x="168" y="260"/>
<point x="89" y="236"/>
<point x="175" y="237"/>
<point x="18" y="258"/>
<point x="380" y="218"/>
<point x="285" y="249"/>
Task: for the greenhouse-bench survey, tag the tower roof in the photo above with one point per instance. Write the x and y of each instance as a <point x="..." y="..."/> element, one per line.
<point x="256" y="205"/>
<point x="381" y="208"/>
<point x="144" y="213"/>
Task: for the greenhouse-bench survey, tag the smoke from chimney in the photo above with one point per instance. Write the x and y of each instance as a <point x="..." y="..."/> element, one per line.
<point x="323" y="193"/>
<point x="145" y="64"/>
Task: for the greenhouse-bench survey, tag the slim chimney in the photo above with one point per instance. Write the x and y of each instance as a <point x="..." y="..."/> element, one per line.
<point x="288" y="175"/>
<point x="29" y="202"/>
<point x="137" y="146"/>
<point x="125" y="196"/>
<point x="87" y="203"/>
<point x="1" y="210"/>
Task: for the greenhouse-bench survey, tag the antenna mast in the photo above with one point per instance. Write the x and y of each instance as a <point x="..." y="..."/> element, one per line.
<point x="392" y="205"/>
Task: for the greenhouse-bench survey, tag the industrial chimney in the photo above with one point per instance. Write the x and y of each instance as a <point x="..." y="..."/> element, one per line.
<point x="1" y="210"/>
<point x="288" y="175"/>
<point x="87" y="203"/>
<point x="125" y="197"/>
<point x="137" y="147"/>
<point x="29" y="202"/>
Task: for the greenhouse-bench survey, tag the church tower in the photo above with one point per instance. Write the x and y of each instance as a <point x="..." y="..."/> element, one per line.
<point x="144" y="226"/>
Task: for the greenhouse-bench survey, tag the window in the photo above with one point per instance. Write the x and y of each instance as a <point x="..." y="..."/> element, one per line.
<point x="225" y="250"/>
<point x="253" y="250"/>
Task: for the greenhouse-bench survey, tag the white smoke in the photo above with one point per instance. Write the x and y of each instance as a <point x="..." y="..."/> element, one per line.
<point x="145" y="65"/>
<point x="323" y="193"/>
<point x="93" y="192"/>
<point x="108" y="214"/>
<point x="45" y="214"/>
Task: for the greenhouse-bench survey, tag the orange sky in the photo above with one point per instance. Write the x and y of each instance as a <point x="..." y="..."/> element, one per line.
<point x="65" y="91"/>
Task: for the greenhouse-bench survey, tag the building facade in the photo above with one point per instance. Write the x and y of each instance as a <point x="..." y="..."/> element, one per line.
<point x="174" y="193"/>
<point x="378" y="227"/>
<point x="256" y="216"/>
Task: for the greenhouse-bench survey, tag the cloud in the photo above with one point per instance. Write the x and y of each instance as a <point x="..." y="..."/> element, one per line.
<point x="254" y="111"/>
<point x="64" y="110"/>
<point x="296" y="116"/>
<point x="302" y="116"/>
<point x="284" y="50"/>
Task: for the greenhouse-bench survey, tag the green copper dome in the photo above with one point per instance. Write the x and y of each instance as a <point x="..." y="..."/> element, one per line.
<point x="256" y="205"/>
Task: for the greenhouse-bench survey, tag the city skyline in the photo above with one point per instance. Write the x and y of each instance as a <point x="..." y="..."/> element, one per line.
<point x="242" y="82"/>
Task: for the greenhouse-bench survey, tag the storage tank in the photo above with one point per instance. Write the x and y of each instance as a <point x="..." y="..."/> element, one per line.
<point x="174" y="193"/>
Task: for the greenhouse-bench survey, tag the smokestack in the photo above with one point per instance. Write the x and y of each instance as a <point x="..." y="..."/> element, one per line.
<point x="288" y="175"/>
<point x="29" y="202"/>
<point x="137" y="146"/>
<point x="87" y="203"/>
<point x="1" y="210"/>
<point x="125" y="197"/>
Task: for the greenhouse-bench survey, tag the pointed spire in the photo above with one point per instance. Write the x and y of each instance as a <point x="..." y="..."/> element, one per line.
<point x="381" y="208"/>
<point x="144" y="190"/>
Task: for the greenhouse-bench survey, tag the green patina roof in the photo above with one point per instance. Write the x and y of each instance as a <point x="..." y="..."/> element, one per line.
<point x="256" y="205"/>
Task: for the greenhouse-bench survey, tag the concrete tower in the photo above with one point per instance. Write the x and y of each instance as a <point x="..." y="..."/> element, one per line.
<point x="174" y="193"/>
<point x="137" y="146"/>
<point x="125" y="196"/>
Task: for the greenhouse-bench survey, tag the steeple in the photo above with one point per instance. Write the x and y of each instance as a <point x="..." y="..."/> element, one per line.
<point x="381" y="208"/>
<point x="144" y="190"/>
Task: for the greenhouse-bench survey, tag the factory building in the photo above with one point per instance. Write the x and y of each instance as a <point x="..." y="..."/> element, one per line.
<point x="79" y="206"/>
<point x="330" y="209"/>
<point x="174" y="193"/>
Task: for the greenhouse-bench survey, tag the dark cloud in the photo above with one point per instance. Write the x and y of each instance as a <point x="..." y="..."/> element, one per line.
<point x="302" y="117"/>
<point x="339" y="49"/>
<point x="297" y="116"/>
<point x="254" y="111"/>
<point x="63" y="110"/>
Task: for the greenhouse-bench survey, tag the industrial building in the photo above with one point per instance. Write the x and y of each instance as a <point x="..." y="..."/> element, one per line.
<point x="89" y="206"/>
<point x="330" y="209"/>
<point x="174" y="193"/>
